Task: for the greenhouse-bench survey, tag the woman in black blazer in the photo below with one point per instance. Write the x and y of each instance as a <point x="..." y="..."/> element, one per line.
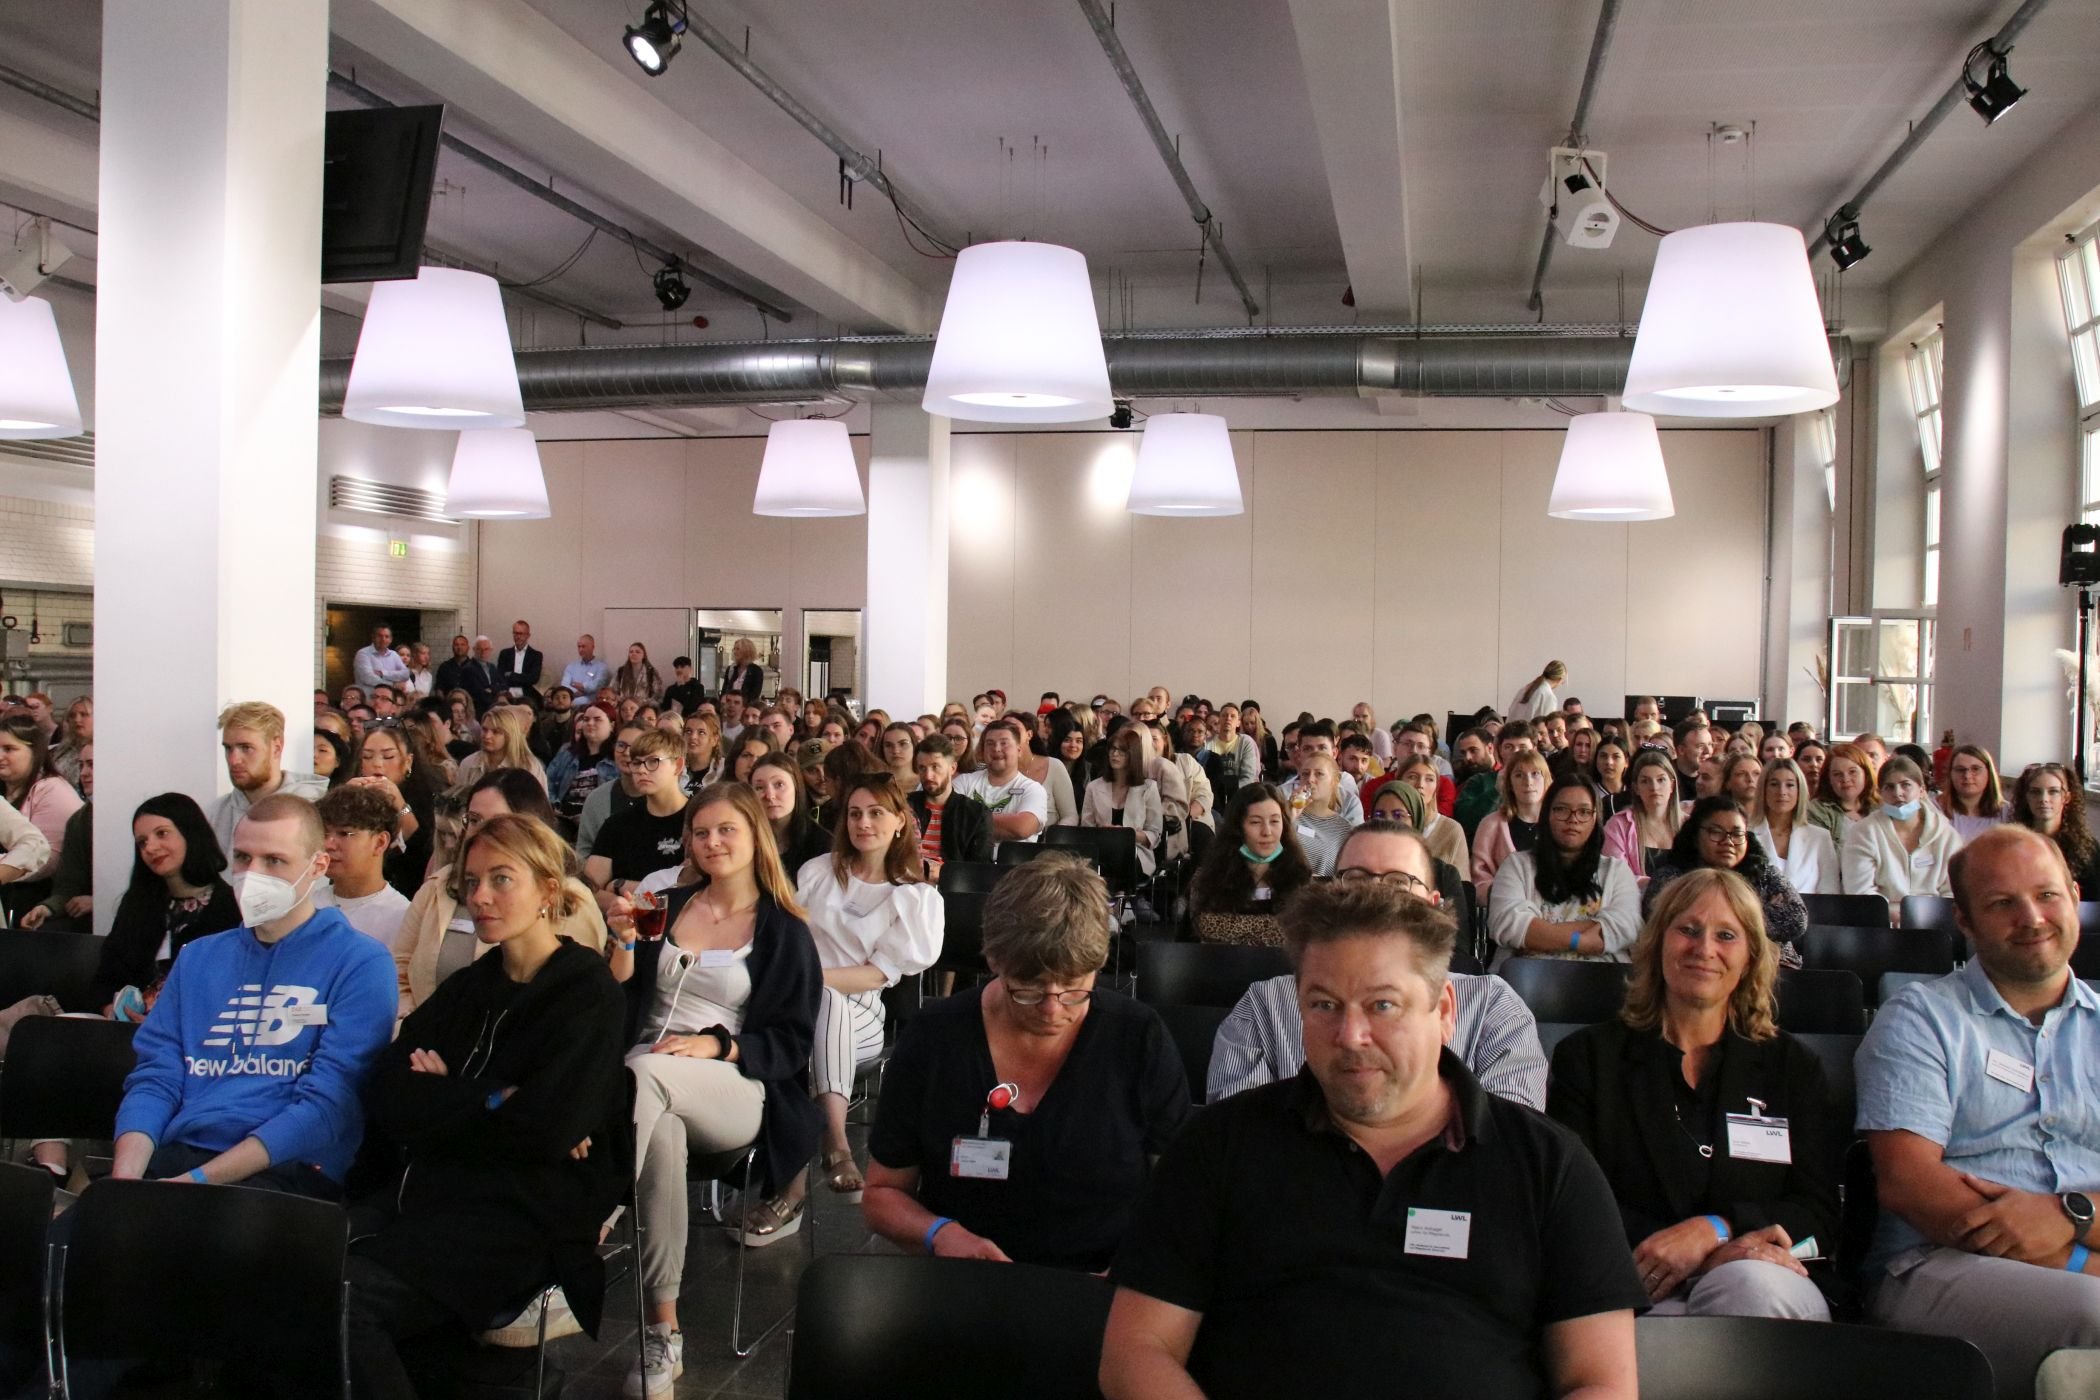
<point x="1709" y="1121"/>
<point x="746" y="677"/>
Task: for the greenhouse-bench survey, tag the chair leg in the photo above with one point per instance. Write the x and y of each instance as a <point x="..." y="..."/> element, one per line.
<point x="539" y="1375"/>
<point x="55" y="1319"/>
<point x="641" y="1304"/>
<point x="743" y="1252"/>
<point x="342" y="1341"/>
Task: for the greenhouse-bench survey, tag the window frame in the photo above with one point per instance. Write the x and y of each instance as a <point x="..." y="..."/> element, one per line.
<point x="1925" y="378"/>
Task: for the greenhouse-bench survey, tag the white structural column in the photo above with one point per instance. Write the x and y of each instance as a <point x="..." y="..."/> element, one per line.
<point x="207" y="372"/>
<point x="905" y="629"/>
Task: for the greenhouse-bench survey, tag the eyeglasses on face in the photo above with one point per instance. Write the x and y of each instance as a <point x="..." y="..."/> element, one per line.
<point x="1036" y="996"/>
<point x="1398" y="879"/>
<point x="653" y="763"/>
<point x="1725" y="835"/>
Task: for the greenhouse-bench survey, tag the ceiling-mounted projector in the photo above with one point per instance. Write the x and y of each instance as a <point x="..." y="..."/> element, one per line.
<point x="1575" y="200"/>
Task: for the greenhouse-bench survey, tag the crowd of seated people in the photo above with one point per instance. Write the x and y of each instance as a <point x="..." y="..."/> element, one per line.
<point x="689" y="918"/>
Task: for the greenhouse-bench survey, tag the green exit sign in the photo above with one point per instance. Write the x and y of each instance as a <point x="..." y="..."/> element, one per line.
<point x="397" y="548"/>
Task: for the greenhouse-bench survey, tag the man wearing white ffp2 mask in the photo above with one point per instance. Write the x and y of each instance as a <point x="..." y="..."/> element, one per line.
<point x="253" y="1058"/>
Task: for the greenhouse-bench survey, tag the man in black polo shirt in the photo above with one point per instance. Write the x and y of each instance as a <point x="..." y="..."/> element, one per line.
<point x="1379" y="1223"/>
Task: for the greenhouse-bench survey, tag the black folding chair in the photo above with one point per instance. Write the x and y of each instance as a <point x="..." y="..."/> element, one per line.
<point x="60" y="965"/>
<point x="971" y="876"/>
<point x="1825" y="1001"/>
<point x="25" y="1217"/>
<point x="1849" y="910"/>
<point x="962" y="936"/>
<point x="1868" y="952"/>
<point x="896" y="1325"/>
<point x="1835" y="1053"/>
<point x="156" y="1270"/>
<point x="738" y="1167"/>
<point x="1559" y="989"/>
<point x="1195" y="1033"/>
<point x="1111" y="849"/>
<point x="1552" y="1033"/>
<point x="1204" y="974"/>
<point x="64" y="1077"/>
<point x="1935" y="913"/>
<point x="1754" y="1358"/>
<point x="1019" y="852"/>
<point x="2085" y="961"/>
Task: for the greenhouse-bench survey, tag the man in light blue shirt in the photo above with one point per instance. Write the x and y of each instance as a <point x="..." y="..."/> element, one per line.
<point x="379" y="663"/>
<point x="586" y="675"/>
<point x="1979" y="1095"/>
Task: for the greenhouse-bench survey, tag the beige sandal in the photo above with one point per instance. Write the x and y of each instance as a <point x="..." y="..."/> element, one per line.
<point x="843" y="1176"/>
<point x="772" y="1222"/>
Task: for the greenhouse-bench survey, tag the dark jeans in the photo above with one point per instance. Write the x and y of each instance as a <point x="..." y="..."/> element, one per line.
<point x="386" y="1309"/>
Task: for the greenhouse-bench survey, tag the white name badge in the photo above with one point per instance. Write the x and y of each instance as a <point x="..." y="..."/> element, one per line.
<point x="1440" y="1234"/>
<point x="461" y="923"/>
<point x="314" y="1015"/>
<point x="1264" y="892"/>
<point x="980" y="1158"/>
<point x="1305" y="833"/>
<point x="717" y="957"/>
<point x="1759" y="1139"/>
<point x="1921" y="860"/>
<point x="2007" y="1070"/>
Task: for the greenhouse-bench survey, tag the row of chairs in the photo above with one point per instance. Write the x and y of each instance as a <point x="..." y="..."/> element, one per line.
<point x="894" y="1325"/>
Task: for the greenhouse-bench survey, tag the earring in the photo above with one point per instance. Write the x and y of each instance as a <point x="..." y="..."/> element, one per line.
<point x="546" y="913"/>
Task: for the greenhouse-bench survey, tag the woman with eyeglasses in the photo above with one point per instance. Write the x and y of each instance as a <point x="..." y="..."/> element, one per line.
<point x="1565" y="898"/>
<point x="2048" y="798"/>
<point x="1903" y="847"/>
<point x="1019" y="1121"/>
<point x="1974" y="800"/>
<point x="1716" y="836"/>
<point x="649" y="835"/>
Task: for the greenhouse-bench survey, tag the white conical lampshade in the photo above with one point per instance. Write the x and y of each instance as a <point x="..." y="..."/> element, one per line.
<point x="1732" y="328"/>
<point x="435" y="353"/>
<point x="1185" y="467"/>
<point x="36" y="391"/>
<point x="1019" y="342"/>
<point x="808" y="470"/>
<point x="1611" y="468"/>
<point x="496" y="475"/>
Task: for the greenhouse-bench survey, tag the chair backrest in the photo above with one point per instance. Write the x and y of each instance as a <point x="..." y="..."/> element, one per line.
<point x="1932" y="911"/>
<point x="1835" y="1053"/>
<point x="53" y="964"/>
<point x="1856" y="910"/>
<point x="1824" y="1001"/>
<point x="1894" y="982"/>
<point x="156" y="1269"/>
<point x="1195" y="1033"/>
<point x="1753" y="1358"/>
<point x="1204" y="974"/>
<point x="1552" y="1033"/>
<point x="890" y="1325"/>
<point x="65" y="1077"/>
<point x="962" y="935"/>
<point x="2089" y="916"/>
<point x="25" y="1216"/>
<point x="1871" y="951"/>
<point x="1558" y="989"/>
<point x="1112" y="849"/>
<point x="971" y="876"/>
<point x="2085" y="958"/>
<point x="1018" y="852"/>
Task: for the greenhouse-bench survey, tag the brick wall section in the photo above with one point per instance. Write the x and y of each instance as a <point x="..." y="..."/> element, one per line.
<point x="437" y="581"/>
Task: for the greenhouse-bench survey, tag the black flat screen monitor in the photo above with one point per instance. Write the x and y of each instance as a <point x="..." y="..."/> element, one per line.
<point x="375" y="195"/>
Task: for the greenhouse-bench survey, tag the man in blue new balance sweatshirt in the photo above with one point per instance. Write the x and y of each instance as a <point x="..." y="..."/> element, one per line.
<point x="253" y="1060"/>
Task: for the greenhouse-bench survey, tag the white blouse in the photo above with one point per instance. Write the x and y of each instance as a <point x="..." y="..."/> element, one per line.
<point x="1811" y="857"/>
<point x="895" y="929"/>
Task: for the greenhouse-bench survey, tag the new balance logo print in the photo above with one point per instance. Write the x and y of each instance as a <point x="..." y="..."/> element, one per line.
<point x="259" y="1021"/>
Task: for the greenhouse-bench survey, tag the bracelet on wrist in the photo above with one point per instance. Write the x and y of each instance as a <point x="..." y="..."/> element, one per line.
<point x="2076" y="1263"/>
<point x="1575" y="941"/>
<point x="1721" y="1231"/>
<point x="935" y="1228"/>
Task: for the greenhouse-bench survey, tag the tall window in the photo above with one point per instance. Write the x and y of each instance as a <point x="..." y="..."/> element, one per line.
<point x="2078" y="274"/>
<point x="1925" y="372"/>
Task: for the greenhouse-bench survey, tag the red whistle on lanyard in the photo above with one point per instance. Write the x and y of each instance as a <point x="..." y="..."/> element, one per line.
<point x="1002" y="1096"/>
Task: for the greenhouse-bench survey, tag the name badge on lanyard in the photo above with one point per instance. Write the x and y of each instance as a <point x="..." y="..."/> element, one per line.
<point x="1753" y="1137"/>
<point x="984" y="1157"/>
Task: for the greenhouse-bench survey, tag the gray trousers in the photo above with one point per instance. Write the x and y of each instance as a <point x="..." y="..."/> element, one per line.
<point x="2017" y="1313"/>
<point x="1747" y="1288"/>
<point x="682" y="1105"/>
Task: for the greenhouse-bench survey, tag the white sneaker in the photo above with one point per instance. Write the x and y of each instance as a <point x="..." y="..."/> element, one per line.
<point x="524" y="1329"/>
<point x="663" y="1361"/>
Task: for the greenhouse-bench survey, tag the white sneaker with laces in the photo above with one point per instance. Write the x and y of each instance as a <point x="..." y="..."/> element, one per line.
<point x="663" y="1361"/>
<point x="524" y="1329"/>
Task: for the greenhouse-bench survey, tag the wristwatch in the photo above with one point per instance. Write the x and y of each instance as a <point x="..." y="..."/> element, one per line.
<point x="2079" y="1207"/>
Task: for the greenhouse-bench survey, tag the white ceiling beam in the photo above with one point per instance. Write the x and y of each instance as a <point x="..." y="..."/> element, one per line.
<point x="48" y="170"/>
<point x="1349" y="50"/>
<point x="512" y="70"/>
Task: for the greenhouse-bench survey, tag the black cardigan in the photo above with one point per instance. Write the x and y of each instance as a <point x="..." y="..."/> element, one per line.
<point x="488" y="1204"/>
<point x="779" y="1032"/>
<point x="1612" y="1085"/>
<point x="966" y="826"/>
<point x="135" y="934"/>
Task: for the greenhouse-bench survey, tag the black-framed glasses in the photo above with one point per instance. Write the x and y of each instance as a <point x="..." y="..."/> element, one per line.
<point x="1036" y="996"/>
<point x="1725" y="835"/>
<point x="1398" y="879"/>
<point x="653" y="763"/>
<point x="1573" y="814"/>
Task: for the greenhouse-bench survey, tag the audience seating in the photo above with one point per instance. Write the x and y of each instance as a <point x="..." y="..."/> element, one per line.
<point x="1552" y="1033"/>
<point x="1894" y="982"/>
<point x="1827" y="1001"/>
<point x="970" y="876"/>
<point x="1203" y="974"/>
<point x="1756" y="1358"/>
<point x="1195" y="1033"/>
<point x="882" y="1325"/>
<point x="1558" y="989"/>
<point x="1936" y="912"/>
<point x="737" y="1167"/>
<point x="1835" y="1053"/>
<point x="158" y="1270"/>
<point x="962" y="935"/>
<point x="1870" y="951"/>
<point x="1111" y="849"/>
<point x="1847" y="910"/>
<point x="64" y="1078"/>
<point x="54" y="964"/>
<point x="1018" y="852"/>
<point x="25" y="1214"/>
<point x="2085" y="959"/>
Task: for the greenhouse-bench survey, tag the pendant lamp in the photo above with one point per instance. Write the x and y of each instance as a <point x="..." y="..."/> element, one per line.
<point x="496" y="475"/>
<point x="1611" y="469"/>
<point x="808" y="470"/>
<point x="1185" y="467"/>
<point x="36" y="391"/>
<point x="1019" y="342"/>
<point x="435" y="353"/>
<point x="1732" y="328"/>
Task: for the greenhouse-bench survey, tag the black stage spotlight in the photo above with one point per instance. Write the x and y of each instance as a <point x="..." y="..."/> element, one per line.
<point x="1995" y="95"/>
<point x="1121" y="418"/>
<point x="654" y="42"/>
<point x="671" y="287"/>
<point x="1847" y="248"/>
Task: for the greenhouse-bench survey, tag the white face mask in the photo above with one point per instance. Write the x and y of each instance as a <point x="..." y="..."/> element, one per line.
<point x="265" y="898"/>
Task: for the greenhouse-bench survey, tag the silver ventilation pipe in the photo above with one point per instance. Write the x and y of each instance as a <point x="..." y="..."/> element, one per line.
<point x="1144" y="366"/>
<point x="1578" y="136"/>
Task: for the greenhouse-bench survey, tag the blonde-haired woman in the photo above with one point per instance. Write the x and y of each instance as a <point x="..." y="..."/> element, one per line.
<point x="1646" y="828"/>
<point x="503" y="745"/>
<point x="1317" y="804"/>
<point x="746" y="677"/>
<point x="722" y="1014"/>
<point x="1782" y="827"/>
<point x="1697" y="1051"/>
<point x="1541" y="695"/>
<point x="1514" y="825"/>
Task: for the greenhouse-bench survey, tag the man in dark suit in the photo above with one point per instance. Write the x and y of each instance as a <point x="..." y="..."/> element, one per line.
<point x="518" y="665"/>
